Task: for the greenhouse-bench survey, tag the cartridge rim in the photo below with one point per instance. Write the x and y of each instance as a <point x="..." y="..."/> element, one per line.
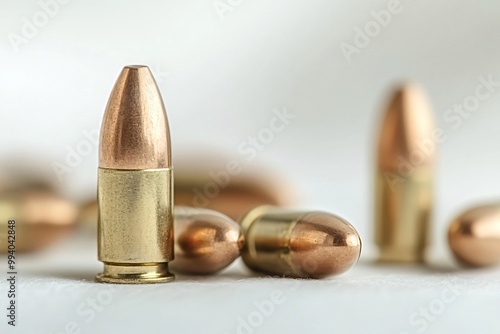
<point x="135" y="274"/>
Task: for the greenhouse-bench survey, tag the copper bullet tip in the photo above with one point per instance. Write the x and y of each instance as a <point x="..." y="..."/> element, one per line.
<point x="407" y="123"/>
<point x="474" y="236"/>
<point x="134" y="132"/>
<point x="206" y="241"/>
<point x="323" y="244"/>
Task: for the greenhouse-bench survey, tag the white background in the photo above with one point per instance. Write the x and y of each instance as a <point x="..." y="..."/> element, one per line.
<point x="221" y="76"/>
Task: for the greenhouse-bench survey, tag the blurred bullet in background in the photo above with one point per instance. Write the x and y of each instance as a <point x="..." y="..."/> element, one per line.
<point x="87" y="219"/>
<point x="219" y="182"/>
<point x="474" y="236"/>
<point x="42" y="217"/>
<point x="404" y="177"/>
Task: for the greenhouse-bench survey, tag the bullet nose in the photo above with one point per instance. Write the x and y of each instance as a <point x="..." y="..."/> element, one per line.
<point x="322" y="245"/>
<point x="474" y="236"/>
<point x="135" y="132"/>
<point x="206" y="241"/>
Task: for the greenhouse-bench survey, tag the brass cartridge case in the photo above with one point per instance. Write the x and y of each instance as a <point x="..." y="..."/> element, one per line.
<point x="298" y="244"/>
<point x="137" y="220"/>
<point x="402" y="217"/>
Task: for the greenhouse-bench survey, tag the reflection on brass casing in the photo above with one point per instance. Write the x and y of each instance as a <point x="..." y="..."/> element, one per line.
<point x="135" y="206"/>
<point x="41" y="218"/>
<point x="206" y="241"/>
<point x="298" y="244"/>
<point x="474" y="236"/>
<point x="402" y="217"/>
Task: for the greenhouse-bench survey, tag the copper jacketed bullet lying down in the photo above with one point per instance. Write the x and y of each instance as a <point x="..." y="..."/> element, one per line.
<point x="42" y="218"/>
<point x="220" y="182"/>
<point x="474" y="236"/>
<point x="403" y="198"/>
<point x="135" y="224"/>
<point x="298" y="244"/>
<point x="206" y="241"/>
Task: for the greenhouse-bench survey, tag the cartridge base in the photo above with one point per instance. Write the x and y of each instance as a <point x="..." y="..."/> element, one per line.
<point x="400" y="255"/>
<point x="135" y="274"/>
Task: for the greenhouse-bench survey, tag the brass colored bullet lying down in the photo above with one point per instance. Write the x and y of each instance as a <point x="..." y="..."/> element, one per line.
<point x="42" y="218"/>
<point x="298" y="244"/>
<point x="474" y="236"/>
<point x="206" y="241"/>
<point x="403" y="193"/>
<point x="135" y="224"/>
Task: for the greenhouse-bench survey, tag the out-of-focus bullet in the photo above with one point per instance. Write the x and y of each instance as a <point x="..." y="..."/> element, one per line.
<point x="205" y="241"/>
<point x="298" y="244"/>
<point x="135" y="224"/>
<point x="87" y="218"/>
<point x="474" y="236"/>
<point x="222" y="183"/>
<point x="42" y="218"/>
<point x="403" y="197"/>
